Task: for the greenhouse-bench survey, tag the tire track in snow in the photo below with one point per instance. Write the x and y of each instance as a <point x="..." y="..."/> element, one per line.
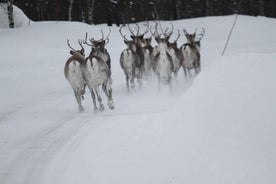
<point x="31" y="155"/>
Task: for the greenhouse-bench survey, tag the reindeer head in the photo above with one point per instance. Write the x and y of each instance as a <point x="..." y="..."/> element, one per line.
<point x="191" y="38"/>
<point x="74" y="51"/>
<point x="146" y="42"/>
<point x="130" y="43"/>
<point x="98" y="45"/>
<point x="137" y="37"/>
<point x="162" y="38"/>
<point x="173" y="44"/>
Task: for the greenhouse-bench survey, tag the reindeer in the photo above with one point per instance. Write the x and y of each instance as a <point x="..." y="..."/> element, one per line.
<point x="176" y="55"/>
<point x="148" y="51"/>
<point x="191" y="53"/>
<point x="97" y="72"/>
<point x="162" y="60"/>
<point x="130" y="62"/>
<point x="98" y="48"/>
<point x="132" y="59"/>
<point x="142" y="50"/>
<point x="73" y="73"/>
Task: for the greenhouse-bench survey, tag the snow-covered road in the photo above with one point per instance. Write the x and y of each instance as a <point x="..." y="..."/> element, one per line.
<point x="219" y="129"/>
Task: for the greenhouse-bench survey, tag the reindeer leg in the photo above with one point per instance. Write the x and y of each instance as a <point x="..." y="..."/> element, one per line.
<point x="94" y="100"/>
<point x="159" y="82"/>
<point x="185" y="72"/>
<point x="197" y="69"/>
<point x="132" y="74"/>
<point x="82" y="91"/>
<point x="78" y="98"/>
<point x="127" y="82"/>
<point x="108" y="93"/>
<point x="99" y="98"/>
<point x="139" y="78"/>
<point x="170" y="84"/>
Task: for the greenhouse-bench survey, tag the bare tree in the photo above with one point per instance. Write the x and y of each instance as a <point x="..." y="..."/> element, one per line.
<point x="10" y="13"/>
<point x="70" y="10"/>
<point x="261" y="7"/>
<point x="90" y="11"/>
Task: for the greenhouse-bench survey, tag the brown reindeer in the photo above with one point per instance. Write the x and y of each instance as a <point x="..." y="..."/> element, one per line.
<point x="191" y="53"/>
<point x="148" y="51"/>
<point x="176" y="55"/>
<point x="73" y="73"/>
<point x="130" y="62"/>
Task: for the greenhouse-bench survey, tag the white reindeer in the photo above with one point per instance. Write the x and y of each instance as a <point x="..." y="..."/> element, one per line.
<point x="162" y="60"/>
<point x="97" y="72"/>
<point x="73" y="73"/>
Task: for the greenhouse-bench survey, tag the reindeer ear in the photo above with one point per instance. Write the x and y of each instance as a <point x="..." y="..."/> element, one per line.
<point x="82" y="52"/>
<point x="71" y="52"/>
<point x="132" y="37"/>
<point x="125" y="42"/>
<point x="156" y="39"/>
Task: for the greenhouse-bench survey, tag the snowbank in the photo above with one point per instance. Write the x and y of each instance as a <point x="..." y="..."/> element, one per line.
<point x="20" y="19"/>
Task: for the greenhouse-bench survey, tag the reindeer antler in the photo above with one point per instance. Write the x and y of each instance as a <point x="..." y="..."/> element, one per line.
<point x="93" y="41"/>
<point x="169" y="33"/>
<point x="131" y="31"/>
<point x="85" y="40"/>
<point x="80" y="43"/>
<point x="147" y="28"/>
<point x="70" y="46"/>
<point x="201" y="34"/>
<point x="185" y="32"/>
<point x="107" y="37"/>
<point x="156" y="34"/>
<point x="178" y="36"/>
<point x="124" y="36"/>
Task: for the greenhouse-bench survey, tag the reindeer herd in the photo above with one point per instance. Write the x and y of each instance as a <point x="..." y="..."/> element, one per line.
<point x="139" y="61"/>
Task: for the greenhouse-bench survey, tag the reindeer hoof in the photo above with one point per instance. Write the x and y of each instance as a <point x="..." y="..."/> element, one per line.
<point x="101" y="107"/>
<point x="95" y="109"/>
<point x="110" y="105"/>
<point x="81" y="109"/>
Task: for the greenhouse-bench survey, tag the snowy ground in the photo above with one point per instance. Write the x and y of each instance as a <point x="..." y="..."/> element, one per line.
<point x="220" y="129"/>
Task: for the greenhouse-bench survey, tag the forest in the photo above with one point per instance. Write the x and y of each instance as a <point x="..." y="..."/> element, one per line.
<point x="129" y="11"/>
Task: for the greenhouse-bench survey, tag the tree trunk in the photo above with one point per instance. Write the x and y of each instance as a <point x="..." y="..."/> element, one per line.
<point x="70" y="10"/>
<point x="261" y="7"/>
<point x="10" y="13"/>
<point x="90" y="10"/>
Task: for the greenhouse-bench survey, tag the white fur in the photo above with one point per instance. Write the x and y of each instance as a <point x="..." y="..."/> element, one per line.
<point x="75" y="75"/>
<point x="96" y="74"/>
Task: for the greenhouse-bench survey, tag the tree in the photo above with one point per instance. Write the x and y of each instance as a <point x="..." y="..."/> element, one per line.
<point x="10" y="13"/>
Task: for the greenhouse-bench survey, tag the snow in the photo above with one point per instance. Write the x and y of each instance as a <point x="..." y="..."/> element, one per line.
<point x="20" y="19"/>
<point x="218" y="129"/>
